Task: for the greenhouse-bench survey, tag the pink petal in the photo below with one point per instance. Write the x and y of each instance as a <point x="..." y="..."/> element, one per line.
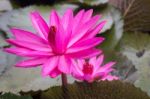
<point x="77" y="21"/>
<point x="55" y="73"/>
<point x="50" y="65"/>
<point x="76" y="70"/>
<point x="64" y="65"/>
<point x="81" y="62"/>
<point x="89" y="78"/>
<point x="54" y="19"/>
<point x="99" y="75"/>
<point x="83" y="30"/>
<point x="85" y="54"/>
<point x="39" y="24"/>
<point x="98" y="62"/>
<point x="60" y="40"/>
<point x="31" y="62"/>
<point x="92" y="61"/>
<point x="67" y="19"/>
<point x="64" y="28"/>
<point x="28" y="53"/>
<point x="94" y="31"/>
<point x="87" y="15"/>
<point x="110" y="78"/>
<point x="29" y="45"/>
<point x="106" y="67"/>
<point x="102" y="73"/>
<point x="27" y="36"/>
<point x="87" y="44"/>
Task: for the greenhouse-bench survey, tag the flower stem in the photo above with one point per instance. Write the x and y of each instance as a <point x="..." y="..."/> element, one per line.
<point x="64" y="80"/>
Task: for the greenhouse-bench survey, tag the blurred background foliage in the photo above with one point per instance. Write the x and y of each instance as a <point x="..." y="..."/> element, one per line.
<point x="127" y="34"/>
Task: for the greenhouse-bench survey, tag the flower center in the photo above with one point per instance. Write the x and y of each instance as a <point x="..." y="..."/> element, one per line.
<point x="52" y="40"/>
<point x="87" y="68"/>
<point x="53" y="29"/>
<point x="51" y="37"/>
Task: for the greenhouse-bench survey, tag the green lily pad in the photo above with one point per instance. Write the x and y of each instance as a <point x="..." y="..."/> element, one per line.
<point x="2" y="40"/>
<point x="115" y="33"/>
<point x="92" y="2"/>
<point x="12" y="96"/>
<point x="20" y="18"/>
<point x="14" y="80"/>
<point x="96" y="90"/>
<point x="136" y="47"/>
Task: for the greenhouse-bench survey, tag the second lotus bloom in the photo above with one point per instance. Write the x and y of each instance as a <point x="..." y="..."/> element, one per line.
<point x="93" y="70"/>
<point x="56" y="45"/>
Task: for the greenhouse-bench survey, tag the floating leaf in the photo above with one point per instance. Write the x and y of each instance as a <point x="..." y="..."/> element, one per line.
<point x="136" y="14"/>
<point x="144" y="71"/>
<point x="92" y="2"/>
<point x="12" y="96"/>
<point x="100" y="90"/>
<point x="20" y="18"/>
<point x="138" y="51"/>
<point x="124" y="68"/>
<point x="5" y="5"/>
<point x="14" y="79"/>
<point x="2" y="40"/>
<point x="114" y="35"/>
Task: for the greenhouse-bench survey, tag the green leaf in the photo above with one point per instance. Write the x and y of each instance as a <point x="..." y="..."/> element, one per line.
<point x="136" y="14"/>
<point x="14" y="80"/>
<point x="12" y="96"/>
<point x="20" y="18"/>
<point x="135" y="46"/>
<point x="2" y="40"/>
<point x="96" y="90"/>
<point x="5" y="5"/>
<point x="92" y="2"/>
<point x="143" y="81"/>
<point x="114" y="35"/>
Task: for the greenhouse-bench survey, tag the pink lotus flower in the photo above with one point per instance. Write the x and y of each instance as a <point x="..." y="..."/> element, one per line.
<point x="57" y="44"/>
<point x="92" y="70"/>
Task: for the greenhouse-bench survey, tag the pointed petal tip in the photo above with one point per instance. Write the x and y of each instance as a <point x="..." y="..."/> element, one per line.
<point x="82" y="10"/>
<point x="13" y="29"/>
<point x="104" y="22"/>
<point x="52" y="75"/>
<point x="34" y="15"/>
<point x="44" y="75"/>
<point x="8" y="40"/>
<point x="53" y="10"/>
<point x="101" y="39"/>
<point x="90" y="10"/>
<point x="8" y="50"/>
<point x="19" y="64"/>
<point x="34" y="12"/>
<point x="114" y="63"/>
<point x="101" y="56"/>
<point x="70" y="9"/>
